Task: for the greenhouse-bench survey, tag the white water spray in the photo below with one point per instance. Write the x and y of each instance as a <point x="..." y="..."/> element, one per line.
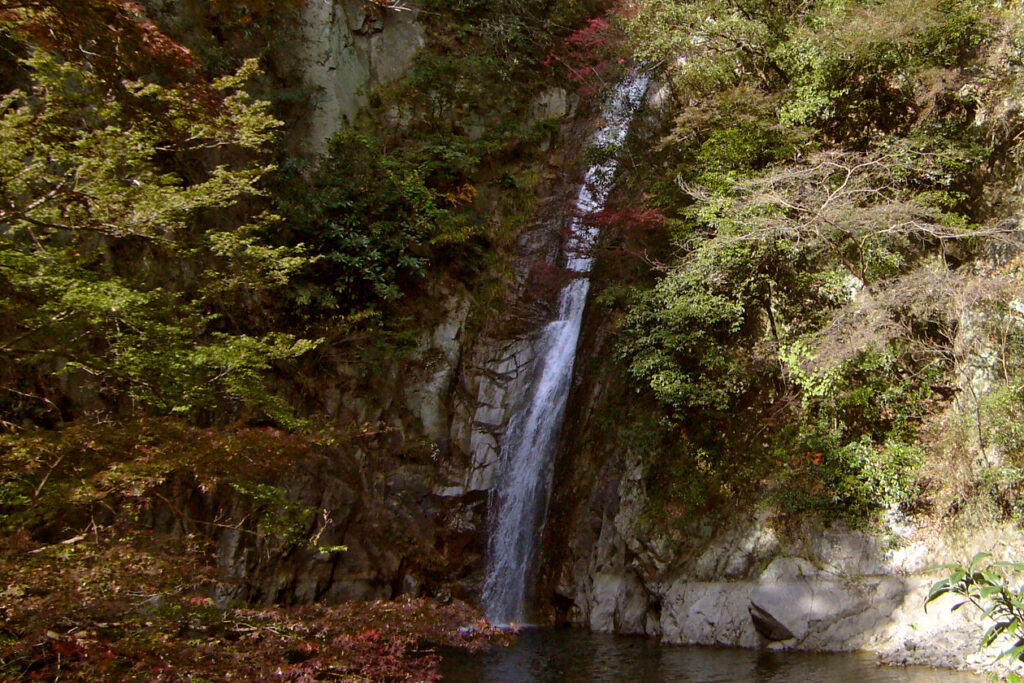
<point x="529" y="445"/>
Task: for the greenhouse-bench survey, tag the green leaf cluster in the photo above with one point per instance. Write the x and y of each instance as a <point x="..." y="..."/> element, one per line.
<point x="986" y="585"/>
<point x="130" y="238"/>
<point x="369" y="217"/>
<point x="820" y="174"/>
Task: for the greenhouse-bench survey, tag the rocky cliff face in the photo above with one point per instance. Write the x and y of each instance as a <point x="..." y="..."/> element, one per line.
<point x="340" y="51"/>
<point x="406" y="491"/>
<point x="712" y="582"/>
<point x="328" y="54"/>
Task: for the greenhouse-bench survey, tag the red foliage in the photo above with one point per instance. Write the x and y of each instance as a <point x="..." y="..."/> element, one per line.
<point x="113" y="36"/>
<point x="595" y="34"/>
<point x="802" y="461"/>
<point x="72" y="651"/>
<point x="72" y="611"/>
<point x="546" y="280"/>
<point x="632" y="221"/>
<point x="589" y="53"/>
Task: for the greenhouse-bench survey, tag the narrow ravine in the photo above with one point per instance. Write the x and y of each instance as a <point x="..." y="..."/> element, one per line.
<point x="521" y="498"/>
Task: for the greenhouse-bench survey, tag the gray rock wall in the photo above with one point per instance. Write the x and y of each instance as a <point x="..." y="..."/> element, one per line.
<point x="830" y="589"/>
<point x="340" y="50"/>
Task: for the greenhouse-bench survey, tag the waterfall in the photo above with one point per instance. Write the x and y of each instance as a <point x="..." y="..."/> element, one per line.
<point x="527" y="451"/>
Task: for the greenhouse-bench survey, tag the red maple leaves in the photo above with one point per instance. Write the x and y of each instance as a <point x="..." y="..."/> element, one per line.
<point x="590" y="54"/>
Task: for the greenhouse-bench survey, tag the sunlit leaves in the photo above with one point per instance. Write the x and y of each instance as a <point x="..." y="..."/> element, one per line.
<point x="116" y="251"/>
<point x="988" y="587"/>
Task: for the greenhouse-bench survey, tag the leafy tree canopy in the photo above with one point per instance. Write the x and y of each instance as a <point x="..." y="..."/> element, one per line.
<point x="820" y="174"/>
<point x="130" y="243"/>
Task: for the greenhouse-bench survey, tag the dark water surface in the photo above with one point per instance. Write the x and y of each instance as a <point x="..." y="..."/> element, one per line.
<point x="573" y="656"/>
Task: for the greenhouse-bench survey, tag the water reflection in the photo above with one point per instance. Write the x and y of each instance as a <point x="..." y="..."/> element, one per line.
<point x="571" y="656"/>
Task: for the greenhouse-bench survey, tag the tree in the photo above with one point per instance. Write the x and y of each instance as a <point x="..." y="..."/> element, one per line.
<point x="710" y="45"/>
<point x="127" y="228"/>
<point x="868" y="213"/>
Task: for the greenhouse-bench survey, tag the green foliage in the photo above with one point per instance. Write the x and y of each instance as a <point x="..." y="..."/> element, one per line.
<point x="851" y="66"/>
<point x="678" y="337"/>
<point x="823" y="160"/>
<point x="223" y="33"/>
<point x="1003" y="420"/>
<point x="878" y="392"/>
<point x="848" y="66"/>
<point x="48" y="476"/>
<point x="115" y="267"/>
<point x="854" y="481"/>
<point x="469" y="90"/>
<point x="858" y="415"/>
<point x="991" y="346"/>
<point x="371" y="221"/>
<point x="419" y="186"/>
<point x="855" y="451"/>
<point x="986" y="585"/>
<point x="510" y="36"/>
<point x="723" y="41"/>
<point x="733" y="146"/>
<point x="279" y="515"/>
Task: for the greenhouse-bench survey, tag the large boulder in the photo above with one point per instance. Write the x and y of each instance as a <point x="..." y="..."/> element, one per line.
<point x="795" y="605"/>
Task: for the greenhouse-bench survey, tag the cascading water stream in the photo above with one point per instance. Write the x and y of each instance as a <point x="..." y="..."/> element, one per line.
<point x="529" y="445"/>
